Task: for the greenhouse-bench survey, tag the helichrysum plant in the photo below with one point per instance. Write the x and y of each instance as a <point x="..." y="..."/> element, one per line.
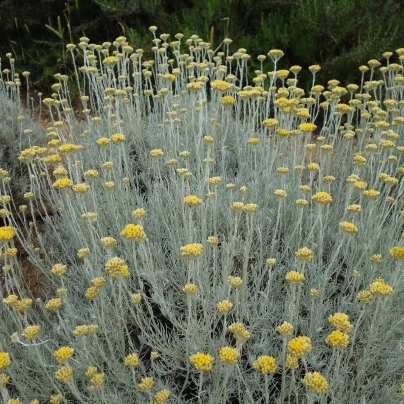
<point x="201" y="236"/>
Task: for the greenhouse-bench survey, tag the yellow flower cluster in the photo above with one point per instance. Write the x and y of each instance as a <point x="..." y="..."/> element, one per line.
<point x="116" y="267"/>
<point x="304" y="254"/>
<point x="5" y="360"/>
<point x="54" y="304"/>
<point x="294" y="277"/>
<point x="192" y="200"/>
<point x="380" y="288"/>
<point x="136" y="298"/>
<point x="337" y="339"/>
<point x="70" y="148"/>
<point x="162" y="396"/>
<point x="117" y="138"/>
<point x="292" y="362"/>
<point x="348" y="227"/>
<point x="138" y="213"/>
<point x="6" y="233"/>
<point x="315" y="382"/>
<point x="202" y="362"/>
<point x="134" y="232"/>
<point x="64" y="374"/>
<point x="307" y="127"/>
<point x="341" y="322"/>
<point x="397" y="252"/>
<point x="84" y="330"/>
<point x="63" y="354"/>
<point x="239" y="331"/>
<point x="221" y="86"/>
<point x="63" y="184"/>
<point x="193" y="250"/>
<point x="190" y="289"/>
<point x="250" y="207"/>
<point x="227" y="101"/>
<point x="285" y="329"/>
<point x="354" y="208"/>
<point x="299" y="346"/>
<point x="83" y="253"/>
<point x="146" y="383"/>
<point x="31" y="331"/>
<point x="265" y="364"/>
<point x="58" y="269"/>
<point x="365" y="296"/>
<point x="234" y="281"/>
<point x="224" y="306"/>
<point x="156" y="153"/>
<point x="228" y="355"/>
<point x="322" y="198"/>
<point x="132" y="360"/>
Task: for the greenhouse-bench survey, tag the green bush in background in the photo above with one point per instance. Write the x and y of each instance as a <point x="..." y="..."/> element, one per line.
<point x="338" y="34"/>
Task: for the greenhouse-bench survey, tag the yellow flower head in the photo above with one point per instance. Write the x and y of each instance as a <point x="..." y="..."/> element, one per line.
<point x="354" y="208"/>
<point x="294" y="277"/>
<point x="365" y="296"/>
<point x="315" y="382"/>
<point x="108" y="242"/>
<point x="193" y="250"/>
<point x="202" y="362"/>
<point x="63" y="184"/>
<point x="253" y="141"/>
<point x="156" y="153"/>
<point x="380" y="288"/>
<point x="322" y="197"/>
<point x="228" y="355"/>
<point x="132" y="360"/>
<point x="265" y="364"/>
<point x="341" y="322"/>
<point x="239" y="331"/>
<point x="224" y="306"/>
<point x="64" y="374"/>
<point x="348" y="227"/>
<point x="270" y="123"/>
<point x="371" y="193"/>
<point x="138" y="213"/>
<point x="117" y="138"/>
<point x="250" y="207"/>
<point x="146" y="383"/>
<point x="192" y="200"/>
<point x="136" y="298"/>
<point x="6" y="233"/>
<point x="304" y="254"/>
<point x="63" y="354"/>
<point x="285" y="329"/>
<point x="212" y="240"/>
<point x="397" y="252"/>
<point x="134" y="232"/>
<point x="227" y="101"/>
<point x="337" y="339"/>
<point x="31" y="331"/>
<point x="54" y="304"/>
<point x="291" y="362"/>
<point x="5" y="360"/>
<point x="234" y="281"/>
<point x="116" y="267"/>
<point x="299" y="346"/>
<point x="162" y="396"/>
<point x="190" y="289"/>
<point x="280" y="193"/>
<point x="307" y="127"/>
<point x="83" y="253"/>
<point x="58" y="269"/>
<point x="237" y="206"/>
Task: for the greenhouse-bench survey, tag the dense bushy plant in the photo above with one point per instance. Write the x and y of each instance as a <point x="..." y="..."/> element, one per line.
<point x="210" y="241"/>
